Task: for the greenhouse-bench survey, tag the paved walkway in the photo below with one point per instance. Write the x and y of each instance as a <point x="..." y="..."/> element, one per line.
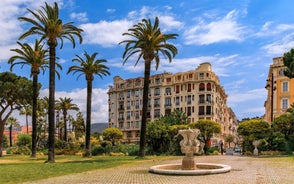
<point x="245" y="170"/>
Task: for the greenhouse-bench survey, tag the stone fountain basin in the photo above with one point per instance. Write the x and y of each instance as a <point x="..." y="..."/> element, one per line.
<point x="201" y="169"/>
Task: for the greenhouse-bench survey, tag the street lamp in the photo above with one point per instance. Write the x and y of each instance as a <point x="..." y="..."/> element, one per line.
<point x="270" y="84"/>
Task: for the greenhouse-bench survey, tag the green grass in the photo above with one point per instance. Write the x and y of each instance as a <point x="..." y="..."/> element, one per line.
<point x="16" y="169"/>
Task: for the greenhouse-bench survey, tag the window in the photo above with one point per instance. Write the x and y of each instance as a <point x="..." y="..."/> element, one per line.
<point x="285" y="87"/>
<point x="137" y="115"/>
<point x="208" y="87"/>
<point x="137" y="104"/>
<point x="177" y="100"/>
<point x="201" y="87"/>
<point x="189" y="100"/>
<point x="189" y="87"/>
<point x="285" y="103"/>
<point x="201" y="110"/>
<point x="156" y="91"/>
<point x="201" y="98"/>
<point x="137" y="93"/>
<point x="168" y="80"/>
<point x="208" y="110"/>
<point x="190" y="76"/>
<point x="177" y="89"/>
<point x="157" y="81"/>
<point x="129" y="104"/>
<point x="208" y="98"/>
<point x="201" y="75"/>
<point x="128" y="94"/>
<point x="167" y="90"/>
<point x="189" y="111"/>
<point x="168" y="102"/>
<point x="156" y="102"/>
<point x="157" y="113"/>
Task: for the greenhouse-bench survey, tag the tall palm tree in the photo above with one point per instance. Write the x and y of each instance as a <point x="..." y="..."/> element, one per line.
<point x="36" y="59"/>
<point x="49" y="26"/>
<point x="146" y="41"/>
<point x="89" y="67"/>
<point x="27" y="111"/>
<point x="12" y="122"/>
<point x="65" y="104"/>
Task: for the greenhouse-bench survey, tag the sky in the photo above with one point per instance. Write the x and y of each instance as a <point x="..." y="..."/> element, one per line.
<point x="239" y="39"/>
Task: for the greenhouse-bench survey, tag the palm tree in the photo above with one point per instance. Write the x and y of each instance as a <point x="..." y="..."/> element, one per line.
<point x="27" y="111"/>
<point x="49" y="26"/>
<point x="147" y="41"/>
<point x="36" y="58"/>
<point x="64" y="104"/>
<point x="12" y="122"/>
<point x="89" y="67"/>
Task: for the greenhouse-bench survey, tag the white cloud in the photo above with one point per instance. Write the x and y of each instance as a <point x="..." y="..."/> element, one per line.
<point x="110" y="10"/>
<point x="106" y="34"/>
<point x="280" y="46"/>
<point x="82" y="17"/>
<point x="222" y="30"/>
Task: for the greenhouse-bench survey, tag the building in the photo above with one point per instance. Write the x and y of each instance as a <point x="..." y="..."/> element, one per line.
<point x="280" y="90"/>
<point x="198" y="93"/>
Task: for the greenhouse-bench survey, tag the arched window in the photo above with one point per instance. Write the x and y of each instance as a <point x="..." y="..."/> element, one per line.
<point x="208" y="87"/>
<point x="201" y="87"/>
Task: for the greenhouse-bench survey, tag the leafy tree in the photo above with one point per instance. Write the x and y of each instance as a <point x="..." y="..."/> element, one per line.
<point x="12" y="122"/>
<point x="285" y="125"/>
<point x="47" y="24"/>
<point x="24" y="140"/>
<point x="114" y="135"/>
<point x="229" y="139"/>
<point x="157" y="136"/>
<point x="254" y="129"/>
<point x="207" y="129"/>
<point x="146" y="41"/>
<point x="15" y="92"/>
<point x="36" y="59"/>
<point x="289" y="63"/>
<point x="79" y="125"/>
<point x="89" y="67"/>
<point x="4" y="141"/>
<point x="65" y="104"/>
<point x="175" y="118"/>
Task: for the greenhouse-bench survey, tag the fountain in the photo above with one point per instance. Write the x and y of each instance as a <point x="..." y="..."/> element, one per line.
<point x="189" y="146"/>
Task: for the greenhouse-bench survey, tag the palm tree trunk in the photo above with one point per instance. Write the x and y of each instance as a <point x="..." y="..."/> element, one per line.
<point x="88" y="118"/>
<point x="34" y="115"/>
<point x="27" y="122"/>
<point x="144" y="109"/>
<point x="1" y="135"/>
<point x="51" y="109"/>
<point x="65" y="126"/>
<point x="10" y="135"/>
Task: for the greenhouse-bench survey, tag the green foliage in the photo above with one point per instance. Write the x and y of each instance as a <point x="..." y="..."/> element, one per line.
<point x="5" y="141"/>
<point x="207" y="129"/>
<point x="114" y="135"/>
<point x="254" y="129"/>
<point x="177" y="117"/>
<point x="229" y="139"/>
<point x="21" y="150"/>
<point x="126" y="149"/>
<point x="289" y="63"/>
<point x="157" y="136"/>
<point x="285" y="125"/>
<point x="24" y="140"/>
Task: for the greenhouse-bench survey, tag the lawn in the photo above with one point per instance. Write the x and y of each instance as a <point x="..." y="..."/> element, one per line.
<point x="16" y="169"/>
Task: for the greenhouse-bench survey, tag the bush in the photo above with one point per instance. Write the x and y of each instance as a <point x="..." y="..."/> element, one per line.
<point x="271" y="153"/>
<point x="212" y="149"/>
<point x="60" y="144"/>
<point x="5" y="141"/>
<point x="97" y="150"/>
<point x="23" y="150"/>
<point x="24" y="140"/>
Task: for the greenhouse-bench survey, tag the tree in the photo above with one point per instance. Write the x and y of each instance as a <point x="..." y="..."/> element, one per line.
<point x="49" y="26"/>
<point x="289" y="63"/>
<point x="254" y="129"/>
<point x="15" y="92"/>
<point x="36" y="59"/>
<point x="79" y="125"/>
<point x="64" y="104"/>
<point x="285" y="125"/>
<point x="12" y="122"/>
<point x="89" y="67"/>
<point x="148" y="42"/>
<point x="114" y="135"/>
<point x="177" y="117"/>
<point x="229" y="139"/>
<point x="207" y="129"/>
<point x="27" y="111"/>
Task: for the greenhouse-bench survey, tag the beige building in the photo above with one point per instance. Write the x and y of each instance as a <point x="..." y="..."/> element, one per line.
<point x="198" y="93"/>
<point x="280" y="91"/>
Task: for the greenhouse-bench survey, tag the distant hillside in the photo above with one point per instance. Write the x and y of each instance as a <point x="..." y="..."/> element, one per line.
<point x="98" y="127"/>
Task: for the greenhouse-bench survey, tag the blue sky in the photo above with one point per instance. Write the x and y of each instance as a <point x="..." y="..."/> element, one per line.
<point x="239" y="38"/>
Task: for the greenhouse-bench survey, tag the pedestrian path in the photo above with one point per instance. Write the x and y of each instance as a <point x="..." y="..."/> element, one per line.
<point x="245" y="170"/>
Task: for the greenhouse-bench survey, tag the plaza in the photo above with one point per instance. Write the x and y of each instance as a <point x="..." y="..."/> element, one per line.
<point x="245" y="170"/>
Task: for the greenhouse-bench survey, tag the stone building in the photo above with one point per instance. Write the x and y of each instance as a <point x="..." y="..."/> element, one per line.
<point x="198" y="93"/>
<point x="280" y="90"/>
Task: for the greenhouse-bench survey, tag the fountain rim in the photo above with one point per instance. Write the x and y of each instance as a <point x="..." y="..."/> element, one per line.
<point x="221" y="169"/>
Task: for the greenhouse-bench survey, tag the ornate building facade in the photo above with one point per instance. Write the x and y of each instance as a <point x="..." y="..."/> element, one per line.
<point x="280" y="91"/>
<point x="198" y="93"/>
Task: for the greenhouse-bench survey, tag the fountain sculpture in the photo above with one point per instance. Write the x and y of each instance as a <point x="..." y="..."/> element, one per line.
<point x="189" y="146"/>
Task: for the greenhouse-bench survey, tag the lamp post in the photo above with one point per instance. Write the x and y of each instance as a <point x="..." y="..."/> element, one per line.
<point x="270" y="84"/>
